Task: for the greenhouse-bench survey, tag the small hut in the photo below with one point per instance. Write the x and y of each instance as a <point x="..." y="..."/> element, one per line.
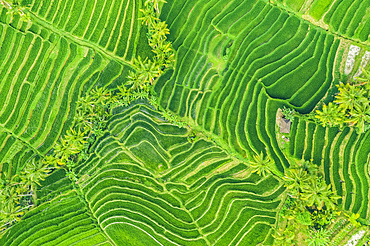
<point x="285" y="125"/>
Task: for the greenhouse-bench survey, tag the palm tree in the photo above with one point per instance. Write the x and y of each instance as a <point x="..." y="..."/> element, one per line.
<point x="86" y="104"/>
<point x="296" y="179"/>
<point x="349" y="96"/>
<point x="360" y="115"/>
<point x="9" y="196"/>
<point x="100" y="95"/>
<point x="169" y="59"/>
<point x="122" y="93"/>
<point x="154" y="101"/>
<point x="146" y="71"/>
<point x="83" y="121"/>
<point x="319" y="238"/>
<point x="10" y="188"/>
<point x="34" y="172"/>
<point x="134" y="80"/>
<point x="159" y="30"/>
<point x="151" y="72"/>
<point x="330" y="115"/>
<point x="62" y="151"/>
<point x="149" y="17"/>
<point x="309" y="167"/>
<point x="9" y="214"/>
<point x="76" y="139"/>
<point x="319" y="194"/>
<point x="162" y="49"/>
<point x="260" y="164"/>
<point x="50" y="160"/>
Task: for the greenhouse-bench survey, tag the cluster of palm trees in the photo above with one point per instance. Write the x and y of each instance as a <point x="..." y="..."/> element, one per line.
<point x="303" y="181"/>
<point x="91" y="115"/>
<point x="16" y="191"/>
<point x="310" y="204"/>
<point x="147" y="70"/>
<point x="351" y="105"/>
<point x="310" y="207"/>
<point x="305" y="184"/>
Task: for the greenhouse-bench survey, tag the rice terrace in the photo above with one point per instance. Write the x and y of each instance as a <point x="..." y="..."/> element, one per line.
<point x="184" y="122"/>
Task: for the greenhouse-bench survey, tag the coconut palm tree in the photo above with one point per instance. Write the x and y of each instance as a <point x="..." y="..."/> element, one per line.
<point x="160" y="27"/>
<point x="10" y="190"/>
<point x="149" y="17"/>
<point x="8" y="196"/>
<point x="146" y="70"/>
<point x="318" y="238"/>
<point x="51" y="161"/>
<point x="349" y="96"/>
<point x="330" y="115"/>
<point x="296" y="179"/>
<point x="162" y="50"/>
<point x="360" y="115"/>
<point x="159" y="30"/>
<point x="100" y="95"/>
<point x="122" y="93"/>
<point x="122" y="97"/>
<point x="76" y="139"/>
<point x="83" y="121"/>
<point x="34" y="172"/>
<point x="309" y="167"/>
<point x="64" y="150"/>
<point x="86" y="104"/>
<point x="260" y="164"/>
<point x="9" y="214"/>
<point x="319" y="194"/>
<point x="134" y="80"/>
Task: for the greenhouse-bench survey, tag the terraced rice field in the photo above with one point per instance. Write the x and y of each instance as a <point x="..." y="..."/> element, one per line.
<point x="241" y="114"/>
<point x="146" y="182"/>
<point x="343" y="156"/>
<point x="345" y="17"/>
